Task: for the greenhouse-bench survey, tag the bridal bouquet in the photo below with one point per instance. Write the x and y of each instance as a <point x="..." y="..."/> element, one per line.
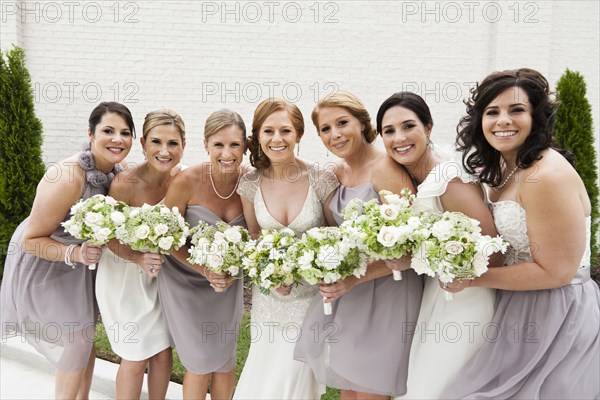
<point x="454" y="248"/>
<point x="267" y="262"/>
<point x="387" y="229"/>
<point x="153" y="228"/>
<point x="219" y="247"/>
<point x="96" y="219"/>
<point x="328" y="254"/>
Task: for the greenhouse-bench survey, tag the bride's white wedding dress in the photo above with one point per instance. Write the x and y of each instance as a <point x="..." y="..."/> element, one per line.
<point x="270" y="371"/>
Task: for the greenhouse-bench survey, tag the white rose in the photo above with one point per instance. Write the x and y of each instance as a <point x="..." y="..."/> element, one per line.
<point x="76" y="207"/>
<point x="134" y="212"/>
<point x="420" y="263"/>
<point x="165" y="210"/>
<point x="305" y="260"/>
<point x="97" y="207"/>
<point x="109" y="200"/>
<point x="392" y="199"/>
<point x="316" y="234"/>
<point x="454" y="247"/>
<point x="142" y="231"/>
<point x="253" y="272"/>
<point x="328" y="257"/>
<point x="75" y="229"/>
<point x="214" y="261"/>
<point x="268" y="271"/>
<point x="442" y="230"/>
<point x="219" y="236"/>
<point x="389" y="211"/>
<point x="117" y="217"/>
<point x="266" y="284"/>
<point x="404" y="233"/>
<point x="166" y="242"/>
<point x="233" y="235"/>
<point x="387" y="236"/>
<point x="233" y="270"/>
<point x="161" y="229"/>
<point x="102" y="235"/>
<point x="92" y="218"/>
<point x="146" y="207"/>
<point x="266" y="243"/>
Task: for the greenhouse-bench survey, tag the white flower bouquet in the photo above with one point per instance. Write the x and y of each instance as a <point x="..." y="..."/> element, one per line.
<point x="387" y="229"/>
<point x="218" y="247"/>
<point x="267" y="262"/>
<point x="328" y="254"/>
<point x="157" y="229"/>
<point x="96" y="219"/>
<point x="454" y="248"/>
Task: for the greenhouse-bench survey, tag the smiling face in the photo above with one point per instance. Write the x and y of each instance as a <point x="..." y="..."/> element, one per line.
<point x="278" y="137"/>
<point x="507" y="121"/>
<point x="111" y="141"/>
<point x="405" y="137"/>
<point x="340" y="131"/>
<point x="226" y="149"/>
<point x="163" y="146"/>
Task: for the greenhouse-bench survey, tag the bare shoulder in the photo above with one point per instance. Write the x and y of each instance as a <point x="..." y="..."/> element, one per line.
<point x="550" y="173"/>
<point x="389" y="175"/>
<point x="65" y="177"/>
<point x="191" y="176"/>
<point x="553" y="179"/>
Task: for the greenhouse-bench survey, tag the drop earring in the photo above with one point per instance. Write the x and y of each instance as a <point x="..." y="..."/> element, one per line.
<point x="298" y="149"/>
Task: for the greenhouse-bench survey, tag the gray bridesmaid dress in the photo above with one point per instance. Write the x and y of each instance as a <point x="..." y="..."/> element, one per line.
<point x="364" y="345"/>
<point x="204" y="325"/>
<point x="541" y="344"/>
<point x="49" y="303"/>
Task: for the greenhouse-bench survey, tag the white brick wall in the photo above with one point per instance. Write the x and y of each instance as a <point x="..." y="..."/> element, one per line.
<point x="186" y="55"/>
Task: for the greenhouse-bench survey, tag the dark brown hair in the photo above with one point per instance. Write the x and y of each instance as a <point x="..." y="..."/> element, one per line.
<point x="110" y="107"/>
<point x="479" y="157"/>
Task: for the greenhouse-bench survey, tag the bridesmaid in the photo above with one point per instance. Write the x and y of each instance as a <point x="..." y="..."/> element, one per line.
<point x="447" y="333"/>
<point x="47" y="291"/>
<point x="126" y="288"/>
<point x="546" y="341"/>
<point x="204" y="309"/>
<point x="351" y="349"/>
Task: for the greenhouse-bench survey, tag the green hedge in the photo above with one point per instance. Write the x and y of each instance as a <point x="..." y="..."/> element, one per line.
<point x="574" y="131"/>
<point x="21" y="165"/>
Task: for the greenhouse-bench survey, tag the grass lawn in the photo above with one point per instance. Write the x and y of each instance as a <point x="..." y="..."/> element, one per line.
<point x="104" y="351"/>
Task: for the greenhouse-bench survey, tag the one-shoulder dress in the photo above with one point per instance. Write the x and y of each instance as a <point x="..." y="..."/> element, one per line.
<point x="49" y="303"/>
<point x="364" y="345"/>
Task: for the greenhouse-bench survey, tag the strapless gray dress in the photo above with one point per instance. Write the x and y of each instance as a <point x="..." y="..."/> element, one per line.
<point x="204" y="325"/>
<point x="541" y="344"/>
<point x="49" y="303"/>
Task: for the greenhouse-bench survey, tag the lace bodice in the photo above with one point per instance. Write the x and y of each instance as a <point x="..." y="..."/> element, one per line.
<point x="276" y="308"/>
<point x="511" y="223"/>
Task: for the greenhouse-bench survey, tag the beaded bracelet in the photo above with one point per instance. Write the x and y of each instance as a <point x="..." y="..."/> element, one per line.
<point x="69" y="254"/>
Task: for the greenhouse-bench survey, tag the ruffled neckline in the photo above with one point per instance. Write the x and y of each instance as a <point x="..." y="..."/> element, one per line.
<point x="94" y="176"/>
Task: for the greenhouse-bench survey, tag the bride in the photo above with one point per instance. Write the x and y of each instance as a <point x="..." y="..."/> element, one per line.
<point x="270" y="371"/>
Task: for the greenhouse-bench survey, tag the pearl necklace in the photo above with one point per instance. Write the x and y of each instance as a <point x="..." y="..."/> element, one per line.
<point x="500" y="186"/>
<point x="215" y="189"/>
